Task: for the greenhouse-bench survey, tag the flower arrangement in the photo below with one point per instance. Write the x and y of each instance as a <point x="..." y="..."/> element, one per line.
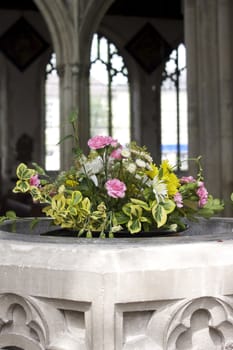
<point x="118" y="187"/>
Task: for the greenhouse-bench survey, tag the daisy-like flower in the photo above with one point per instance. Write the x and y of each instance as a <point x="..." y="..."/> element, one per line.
<point x="159" y="189"/>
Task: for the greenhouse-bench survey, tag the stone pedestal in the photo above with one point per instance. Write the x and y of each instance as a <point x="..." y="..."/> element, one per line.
<point x="173" y="293"/>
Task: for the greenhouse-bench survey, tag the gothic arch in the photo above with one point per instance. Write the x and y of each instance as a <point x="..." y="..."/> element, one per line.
<point x="93" y="14"/>
<point x="57" y="19"/>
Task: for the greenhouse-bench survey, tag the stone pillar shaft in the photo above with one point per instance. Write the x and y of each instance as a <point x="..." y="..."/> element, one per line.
<point x="209" y="56"/>
<point x="225" y="94"/>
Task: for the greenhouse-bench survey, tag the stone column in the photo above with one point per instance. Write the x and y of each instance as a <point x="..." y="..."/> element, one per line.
<point x="225" y="95"/>
<point x="6" y="157"/>
<point x="150" y="110"/>
<point x="83" y="103"/>
<point x="210" y="86"/>
<point x="192" y="77"/>
<point x="201" y="32"/>
<point x="66" y="107"/>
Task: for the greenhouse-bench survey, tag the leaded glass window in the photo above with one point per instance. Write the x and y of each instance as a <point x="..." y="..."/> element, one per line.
<point x="109" y="91"/>
<point x="52" y="117"/>
<point x="174" y="129"/>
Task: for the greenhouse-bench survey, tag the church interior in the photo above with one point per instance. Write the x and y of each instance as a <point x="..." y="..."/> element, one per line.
<point x="180" y="111"/>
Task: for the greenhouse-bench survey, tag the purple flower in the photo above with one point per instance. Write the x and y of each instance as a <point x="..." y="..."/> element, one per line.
<point x="34" y="180"/>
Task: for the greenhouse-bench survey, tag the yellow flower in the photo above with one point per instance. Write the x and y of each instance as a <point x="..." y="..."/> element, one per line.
<point x="167" y="168"/>
<point x="71" y="183"/>
<point x="172" y="184"/>
<point x="170" y="178"/>
<point x="153" y="172"/>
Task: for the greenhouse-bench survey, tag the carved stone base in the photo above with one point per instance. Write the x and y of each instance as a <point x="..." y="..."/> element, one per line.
<point x="165" y="293"/>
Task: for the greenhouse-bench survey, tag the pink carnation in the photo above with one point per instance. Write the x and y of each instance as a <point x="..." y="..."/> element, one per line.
<point x="178" y="200"/>
<point x="98" y="142"/>
<point x="202" y="194"/>
<point x="115" y="188"/>
<point x="34" y="180"/>
<point x="116" y="153"/>
<point x="187" y="179"/>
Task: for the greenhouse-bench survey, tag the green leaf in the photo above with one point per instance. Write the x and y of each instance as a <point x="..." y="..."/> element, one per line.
<point x="23" y="173"/>
<point x="140" y="203"/>
<point x="65" y="138"/>
<point x="134" y="226"/>
<point x="232" y="196"/>
<point x="73" y="211"/>
<point x="76" y="197"/>
<point x="33" y="223"/>
<point x="39" y="169"/>
<point x="2" y="219"/>
<point x="73" y="117"/>
<point x="206" y="212"/>
<point x="214" y="204"/>
<point x="11" y="215"/>
<point x="136" y="211"/>
<point x="191" y="204"/>
<point x="86" y="204"/>
<point x="127" y="209"/>
<point x="160" y="174"/>
<point x="21" y="186"/>
<point x="89" y="234"/>
<point x="120" y="218"/>
<point x="168" y="205"/>
<point x="159" y="215"/>
<point x="35" y="193"/>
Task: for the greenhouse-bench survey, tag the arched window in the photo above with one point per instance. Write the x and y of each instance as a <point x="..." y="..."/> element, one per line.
<point x="52" y="117"/>
<point x="174" y="129"/>
<point x="109" y="91"/>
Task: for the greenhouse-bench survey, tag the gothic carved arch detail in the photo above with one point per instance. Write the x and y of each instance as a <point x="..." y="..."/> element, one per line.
<point x="35" y="324"/>
<point x="20" y="323"/>
<point x="202" y="323"/>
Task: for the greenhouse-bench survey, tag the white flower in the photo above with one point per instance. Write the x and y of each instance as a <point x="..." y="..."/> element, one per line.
<point x="159" y="189"/>
<point x="94" y="179"/>
<point x="94" y="166"/>
<point x="140" y="163"/>
<point x="125" y="153"/>
<point x="131" y="168"/>
<point x="148" y="158"/>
